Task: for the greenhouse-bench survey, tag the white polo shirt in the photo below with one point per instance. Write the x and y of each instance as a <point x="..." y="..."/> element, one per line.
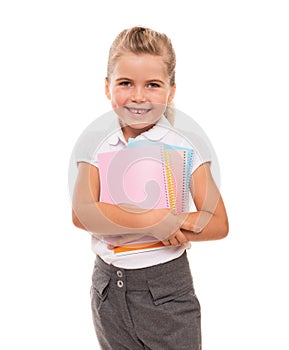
<point x="112" y="139"/>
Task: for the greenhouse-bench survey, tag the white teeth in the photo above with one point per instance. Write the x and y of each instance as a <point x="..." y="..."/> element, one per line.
<point x="137" y="111"/>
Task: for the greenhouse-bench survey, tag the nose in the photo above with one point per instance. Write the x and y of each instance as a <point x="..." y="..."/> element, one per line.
<point x="138" y="95"/>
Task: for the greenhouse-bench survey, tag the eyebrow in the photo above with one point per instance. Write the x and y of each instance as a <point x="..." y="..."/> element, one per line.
<point x="155" y="81"/>
<point x="147" y="81"/>
<point x="123" y="78"/>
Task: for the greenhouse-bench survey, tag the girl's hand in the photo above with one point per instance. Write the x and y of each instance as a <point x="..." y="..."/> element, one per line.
<point x="165" y="224"/>
<point x="176" y="238"/>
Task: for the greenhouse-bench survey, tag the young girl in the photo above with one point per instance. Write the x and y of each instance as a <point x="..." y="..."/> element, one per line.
<point x="147" y="300"/>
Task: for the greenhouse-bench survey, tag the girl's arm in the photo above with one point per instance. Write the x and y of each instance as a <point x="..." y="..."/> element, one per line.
<point x="103" y="219"/>
<point x="210" y="222"/>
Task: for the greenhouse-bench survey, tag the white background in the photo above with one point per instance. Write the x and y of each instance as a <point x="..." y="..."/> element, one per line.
<point x="232" y="77"/>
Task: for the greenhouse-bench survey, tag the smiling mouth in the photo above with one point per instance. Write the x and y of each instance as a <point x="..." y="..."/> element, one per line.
<point x="138" y="111"/>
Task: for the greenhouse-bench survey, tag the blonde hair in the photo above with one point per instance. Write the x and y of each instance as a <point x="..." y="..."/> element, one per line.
<point x="141" y="40"/>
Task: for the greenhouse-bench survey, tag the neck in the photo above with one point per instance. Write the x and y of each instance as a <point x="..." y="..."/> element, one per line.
<point x="130" y="132"/>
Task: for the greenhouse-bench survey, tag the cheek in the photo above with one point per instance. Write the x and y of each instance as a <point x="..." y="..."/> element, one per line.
<point x="158" y="97"/>
<point x="119" y="98"/>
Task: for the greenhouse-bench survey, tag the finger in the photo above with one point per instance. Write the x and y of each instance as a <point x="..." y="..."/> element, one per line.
<point x="173" y="241"/>
<point x="182" y="239"/>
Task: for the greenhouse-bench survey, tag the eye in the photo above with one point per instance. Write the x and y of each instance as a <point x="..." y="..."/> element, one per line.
<point x="125" y="83"/>
<point x="153" y="85"/>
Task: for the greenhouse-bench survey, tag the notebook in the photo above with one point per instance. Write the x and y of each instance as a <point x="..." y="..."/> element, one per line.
<point x="179" y="160"/>
<point x="134" y="176"/>
<point x="146" y="175"/>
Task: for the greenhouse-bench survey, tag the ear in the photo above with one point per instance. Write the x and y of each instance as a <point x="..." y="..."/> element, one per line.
<point x="172" y="93"/>
<point x="107" y="89"/>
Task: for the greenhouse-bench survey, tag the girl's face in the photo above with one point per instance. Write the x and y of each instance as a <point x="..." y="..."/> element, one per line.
<point x="139" y="90"/>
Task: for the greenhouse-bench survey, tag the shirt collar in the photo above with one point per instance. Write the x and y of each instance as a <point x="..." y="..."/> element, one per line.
<point x="156" y="133"/>
<point x="115" y="133"/>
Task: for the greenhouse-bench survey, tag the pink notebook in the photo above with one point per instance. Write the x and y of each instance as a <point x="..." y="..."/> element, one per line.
<point x="134" y="176"/>
<point x="149" y="177"/>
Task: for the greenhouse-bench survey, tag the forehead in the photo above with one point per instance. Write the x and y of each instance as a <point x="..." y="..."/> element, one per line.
<point x="140" y="65"/>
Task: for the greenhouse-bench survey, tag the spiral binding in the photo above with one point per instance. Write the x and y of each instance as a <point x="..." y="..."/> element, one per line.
<point x="188" y="160"/>
<point x="170" y="182"/>
<point x="164" y="175"/>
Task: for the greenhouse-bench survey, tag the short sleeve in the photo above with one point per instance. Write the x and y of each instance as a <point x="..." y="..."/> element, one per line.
<point x="87" y="147"/>
<point x="203" y="152"/>
<point x="85" y="150"/>
<point x="201" y="149"/>
<point x="198" y="160"/>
